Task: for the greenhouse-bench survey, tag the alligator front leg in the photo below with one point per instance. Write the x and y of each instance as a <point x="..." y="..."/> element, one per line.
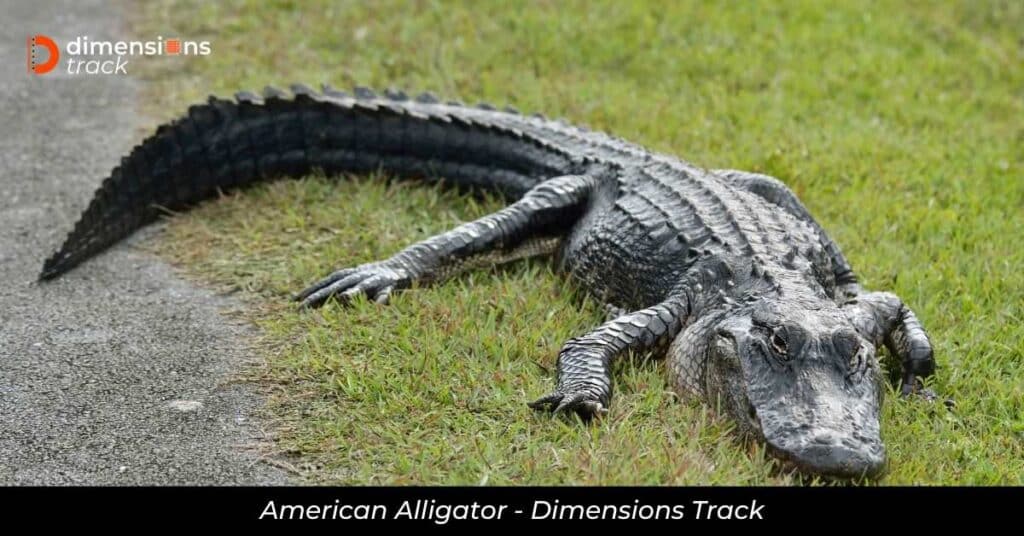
<point x="584" y="363"/>
<point x="883" y="318"/>
<point x="532" y="225"/>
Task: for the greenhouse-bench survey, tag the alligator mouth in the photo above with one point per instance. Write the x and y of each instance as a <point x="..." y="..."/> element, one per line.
<point x="831" y="462"/>
<point x="822" y="456"/>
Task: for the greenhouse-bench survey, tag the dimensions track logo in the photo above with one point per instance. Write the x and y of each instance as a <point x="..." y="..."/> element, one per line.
<point x="85" y="55"/>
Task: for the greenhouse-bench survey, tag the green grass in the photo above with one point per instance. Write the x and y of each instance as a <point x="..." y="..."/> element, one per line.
<point x="898" y="123"/>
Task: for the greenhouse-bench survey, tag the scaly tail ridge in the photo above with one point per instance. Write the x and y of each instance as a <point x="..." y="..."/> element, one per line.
<point x="224" y="145"/>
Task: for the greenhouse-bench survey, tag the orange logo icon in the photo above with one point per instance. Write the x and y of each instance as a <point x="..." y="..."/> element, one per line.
<point x="52" y="58"/>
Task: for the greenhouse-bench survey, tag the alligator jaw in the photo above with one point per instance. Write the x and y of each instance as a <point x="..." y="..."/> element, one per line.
<point x="832" y="461"/>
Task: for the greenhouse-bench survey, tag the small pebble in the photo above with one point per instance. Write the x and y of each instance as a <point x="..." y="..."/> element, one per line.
<point x="185" y="405"/>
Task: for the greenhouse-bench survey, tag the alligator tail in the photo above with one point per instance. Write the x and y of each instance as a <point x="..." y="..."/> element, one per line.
<point x="224" y="145"/>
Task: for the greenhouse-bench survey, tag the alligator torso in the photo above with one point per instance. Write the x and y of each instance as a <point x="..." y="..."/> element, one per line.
<point x="723" y="270"/>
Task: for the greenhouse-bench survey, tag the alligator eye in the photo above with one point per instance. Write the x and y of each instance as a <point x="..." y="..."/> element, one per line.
<point x="858" y="362"/>
<point x="778" y="341"/>
<point x="848" y="346"/>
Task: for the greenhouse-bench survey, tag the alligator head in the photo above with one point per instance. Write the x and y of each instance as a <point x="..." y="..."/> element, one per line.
<point x="797" y="377"/>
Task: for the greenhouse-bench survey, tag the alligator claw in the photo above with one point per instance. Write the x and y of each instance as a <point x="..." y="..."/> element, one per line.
<point x="581" y="402"/>
<point x="913" y="387"/>
<point x="374" y="280"/>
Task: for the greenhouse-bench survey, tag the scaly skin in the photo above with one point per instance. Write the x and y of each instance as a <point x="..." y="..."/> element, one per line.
<point x="723" y="271"/>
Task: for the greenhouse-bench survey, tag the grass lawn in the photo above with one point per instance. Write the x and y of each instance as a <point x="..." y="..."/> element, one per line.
<point x="898" y="124"/>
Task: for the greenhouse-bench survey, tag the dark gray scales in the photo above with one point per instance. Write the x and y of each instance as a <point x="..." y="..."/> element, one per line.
<point x="723" y="272"/>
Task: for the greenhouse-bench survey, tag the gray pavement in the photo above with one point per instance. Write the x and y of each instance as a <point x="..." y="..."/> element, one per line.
<point x="119" y="372"/>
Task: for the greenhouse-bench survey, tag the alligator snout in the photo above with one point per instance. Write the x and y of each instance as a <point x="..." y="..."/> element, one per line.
<point x="825" y="454"/>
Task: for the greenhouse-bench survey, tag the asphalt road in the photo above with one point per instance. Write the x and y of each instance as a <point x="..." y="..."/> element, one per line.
<point x="120" y="372"/>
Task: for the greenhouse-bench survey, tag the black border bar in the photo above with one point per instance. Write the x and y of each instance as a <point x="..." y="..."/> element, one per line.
<point x="827" y="508"/>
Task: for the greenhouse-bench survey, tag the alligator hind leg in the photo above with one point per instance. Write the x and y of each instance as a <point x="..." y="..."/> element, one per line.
<point x="883" y="318"/>
<point x="584" y="363"/>
<point x="532" y="225"/>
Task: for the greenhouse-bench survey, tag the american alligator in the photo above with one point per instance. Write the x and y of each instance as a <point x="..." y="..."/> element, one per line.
<point x="724" y="272"/>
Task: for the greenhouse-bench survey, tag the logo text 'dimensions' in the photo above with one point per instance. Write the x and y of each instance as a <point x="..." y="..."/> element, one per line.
<point x="85" y="55"/>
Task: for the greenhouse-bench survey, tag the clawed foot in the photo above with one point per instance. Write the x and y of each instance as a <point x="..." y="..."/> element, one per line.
<point x="582" y="400"/>
<point x="913" y="387"/>
<point x="375" y="280"/>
